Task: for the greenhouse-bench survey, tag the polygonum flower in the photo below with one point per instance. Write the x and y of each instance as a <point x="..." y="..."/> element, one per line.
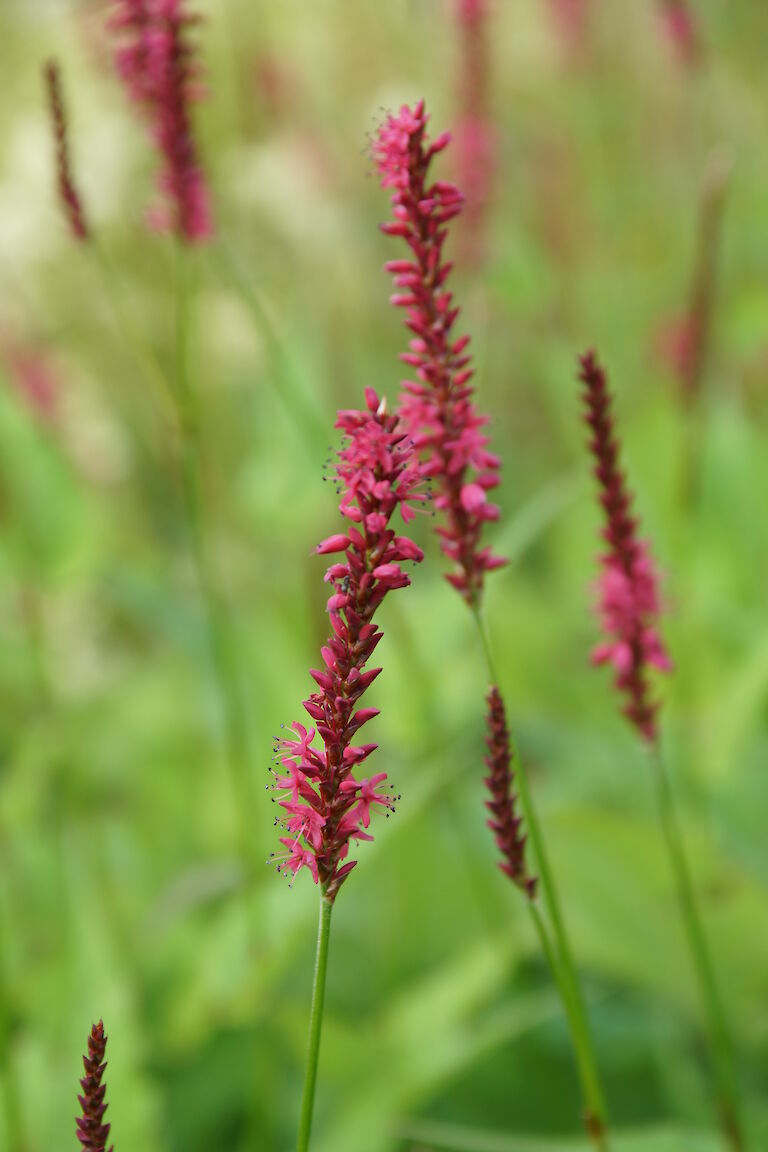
<point x="628" y="599"/>
<point x="158" y="67"/>
<point x="437" y="408"/>
<point x="68" y="193"/>
<point x="33" y="376"/>
<point x="570" y="17"/>
<point x="92" y="1132"/>
<point x="326" y="801"/>
<point x="679" y="25"/>
<point x="475" y="134"/>
<point x="505" y="823"/>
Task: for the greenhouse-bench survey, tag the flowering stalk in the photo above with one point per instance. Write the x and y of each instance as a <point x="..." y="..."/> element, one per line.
<point x="628" y="609"/>
<point x="326" y="807"/>
<point x="438" y="412"/>
<point x="69" y="196"/>
<point x="315" y="1025"/>
<point x="92" y="1132"/>
<point x="82" y="231"/>
<point x="437" y="408"/>
<point x="162" y="76"/>
<point x="506" y="827"/>
<point x="680" y="28"/>
<point x="505" y="823"/>
<point x="570" y="17"/>
<point x="628" y="599"/>
<point x="475" y="134"/>
<point x="685" y="343"/>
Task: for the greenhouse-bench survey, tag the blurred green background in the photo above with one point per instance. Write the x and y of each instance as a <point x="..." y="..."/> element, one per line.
<point x="124" y="892"/>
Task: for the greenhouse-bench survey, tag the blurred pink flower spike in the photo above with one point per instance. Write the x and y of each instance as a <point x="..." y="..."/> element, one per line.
<point x="627" y="590"/>
<point x="475" y="134"/>
<point x="680" y="28"/>
<point x="570" y="19"/>
<point x="34" y="377"/>
<point x="158" y="67"/>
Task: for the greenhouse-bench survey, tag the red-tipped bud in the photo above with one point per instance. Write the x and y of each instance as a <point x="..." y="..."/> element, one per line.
<point x="92" y="1132"/>
<point x="68" y="193"/>
<point x="504" y="823"/>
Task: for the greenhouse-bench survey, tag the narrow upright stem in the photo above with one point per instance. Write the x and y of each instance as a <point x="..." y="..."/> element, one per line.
<point x="132" y="338"/>
<point x="221" y="644"/>
<point x="298" y="405"/>
<point x="595" y="1119"/>
<point x="594" y="1123"/>
<point x="315" y="1024"/>
<point x="722" y="1047"/>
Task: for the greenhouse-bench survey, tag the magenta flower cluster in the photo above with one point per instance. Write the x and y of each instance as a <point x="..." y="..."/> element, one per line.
<point x="475" y="133"/>
<point x="157" y="65"/>
<point x="325" y="804"/>
<point x="437" y="408"/>
<point x="628" y="598"/>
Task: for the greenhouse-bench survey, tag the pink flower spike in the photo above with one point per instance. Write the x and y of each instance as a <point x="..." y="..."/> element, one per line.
<point x="627" y="592"/>
<point x="158" y="67"/>
<point x="679" y="26"/>
<point x="437" y="410"/>
<point x="326" y="807"/>
<point x="504" y="823"/>
<point x="475" y="135"/>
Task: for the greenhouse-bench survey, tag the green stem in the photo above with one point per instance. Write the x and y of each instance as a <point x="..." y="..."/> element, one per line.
<point x="722" y="1047"/>
<point x="593" y="1123"/>
<point x="300" y="409"/>
<point x="145" y="359"/>
<point x="595" y="1119"/>
<point x="221" y="643"/>
<point x="8" y="1082"/>
<point x="11" y="1107"/>
<point x="315" y="1024"/>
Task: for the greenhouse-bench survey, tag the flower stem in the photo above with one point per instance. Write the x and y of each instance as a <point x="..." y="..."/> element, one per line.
<point x="221" y="642"/>
<point x="131" y="337"/>
<point x="594" y="1122"/>
<point x="297" y="402"/>
<point x="9" y="1087"/>
<point x="595" y="1118"/>
<point x="722" y="1047"/>
<point x="315" y="1024"/>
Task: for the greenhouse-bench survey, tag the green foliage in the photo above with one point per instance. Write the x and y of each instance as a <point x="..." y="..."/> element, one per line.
<point x="123" y="890"/>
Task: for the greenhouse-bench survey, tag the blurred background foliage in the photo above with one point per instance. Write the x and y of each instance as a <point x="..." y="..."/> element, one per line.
<point x="123" y="892"/>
